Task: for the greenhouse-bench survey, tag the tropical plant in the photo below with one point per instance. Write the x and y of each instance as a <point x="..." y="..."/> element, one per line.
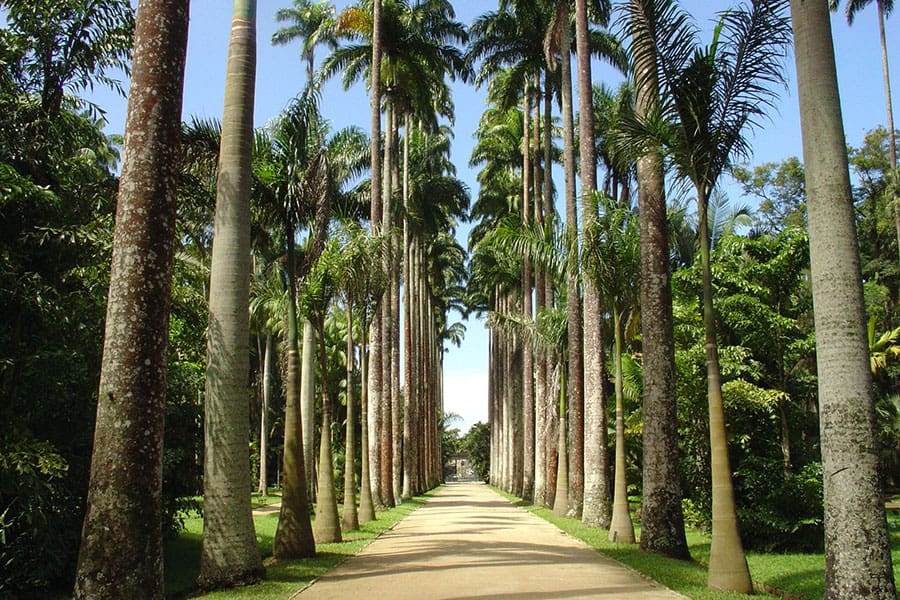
<point x="709" y="96"/>
<point x="312" y="23"/>
<point x="857" y="545"/>
<point x="121" y="548"/>
<point x="662" y="521"/>
<point x="611" y="260"/>
<point x="229" y="554"/>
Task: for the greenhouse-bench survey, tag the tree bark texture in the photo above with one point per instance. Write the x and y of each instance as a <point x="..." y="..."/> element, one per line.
<point x="596" y="511"/>
<point x="229" y="552"/>
<point x="121" y="543"/>
<point x="857" y="545"/>
<point x="662" y="521"/>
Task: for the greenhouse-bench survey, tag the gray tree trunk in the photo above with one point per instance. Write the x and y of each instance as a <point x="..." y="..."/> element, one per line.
<point x="229" y="552"/>
<point x="575" y="384"/>
<point x="662" y="521"/>
<point x="596" y="511"/>
<point x="308" y="406"/>
<point x="857" y="545"/>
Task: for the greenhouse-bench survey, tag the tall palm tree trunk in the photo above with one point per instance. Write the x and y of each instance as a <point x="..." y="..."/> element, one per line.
<point x="121" y="545"/>
<point x="366" y="506"/>
<point x="386" y="443"/>
<point x="527" y="309"/>
<point x="326" y="527"/>
<point x="375" y="352"/>
<point x="892" y="135"/>
<point x="857" y="545"/>
<point x="349" y="515"/>
<point x="561" y="497"/>
<point x="293" y="534"/>
<point x="307" y="391"/>
<point x="662" y="520"/>
<point x="727" y="563"/>
<point x="621" y="529"/>
<point x="229" y="552"/>
<point x="395" y="325"/>
<point x="596" y="511"/>
<point x="575" y="404"/>
<point x="268" y="377"/>
<point x="540" y="362"/>
<point x="410" y="395"/>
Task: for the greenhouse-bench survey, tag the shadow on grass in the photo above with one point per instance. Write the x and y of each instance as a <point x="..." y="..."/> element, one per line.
<point x="182" y="555"/>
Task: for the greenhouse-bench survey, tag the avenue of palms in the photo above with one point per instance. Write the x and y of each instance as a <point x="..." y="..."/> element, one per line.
<point x="280" y="298"/>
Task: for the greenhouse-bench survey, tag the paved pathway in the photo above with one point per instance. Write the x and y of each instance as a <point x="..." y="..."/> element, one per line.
<point x="468" y="542"/>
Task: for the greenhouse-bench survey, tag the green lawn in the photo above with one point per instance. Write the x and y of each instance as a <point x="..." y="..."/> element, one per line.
<point x="283" y="578"/>
<point x="799" y="575"/>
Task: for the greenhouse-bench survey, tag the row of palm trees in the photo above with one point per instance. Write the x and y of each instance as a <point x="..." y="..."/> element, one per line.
<point x="691" y="107"/>
<point x="293" y="173"/>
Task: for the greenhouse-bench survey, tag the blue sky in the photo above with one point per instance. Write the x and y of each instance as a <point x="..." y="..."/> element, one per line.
<point x="280" y="76"/>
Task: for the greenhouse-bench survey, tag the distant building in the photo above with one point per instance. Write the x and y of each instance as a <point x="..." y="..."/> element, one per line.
<point x="459" y="468"/>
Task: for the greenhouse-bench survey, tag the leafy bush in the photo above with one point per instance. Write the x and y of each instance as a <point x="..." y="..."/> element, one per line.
<point x="779" y="512"/>
<point x="36" y="534"/>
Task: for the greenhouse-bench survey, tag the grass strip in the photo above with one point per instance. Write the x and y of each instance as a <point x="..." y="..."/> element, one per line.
<point x="790" y="576"/>
<point x="283" y="578"/>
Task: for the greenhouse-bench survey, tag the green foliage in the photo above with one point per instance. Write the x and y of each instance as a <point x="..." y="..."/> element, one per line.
<point x="32" y="505"/>
<point x="766" y="349"/>
<point x="780" y="512"/>
<point x="781" y="191"/>
<point x="61" y="46"/>
<point x="477" y="443"/>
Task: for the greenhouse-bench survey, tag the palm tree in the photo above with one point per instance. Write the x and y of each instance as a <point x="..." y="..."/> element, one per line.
<point x="229" y="553"/>
<point x="312" y="23"/>
<point x="318" y="294"/>
<point x="418" y="51"/>
<point x="709" y="96"/>
<point x="857" y="546"/>
<point x="885" y="8"/>
<point x="596" y="468"/>
<point x="121" y="548"/>
<point x="611" y="261"/>
<point x="662" y="521"/>
<point x="294" y="176"/>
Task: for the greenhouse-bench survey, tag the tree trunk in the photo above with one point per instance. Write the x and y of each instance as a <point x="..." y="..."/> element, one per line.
<point x="350" y="516"/>
<point x="857" y="545"/>
<point x="621" y="529"/>
<point x="727" y="563"/>
<point x="293" y="535"/>
<point x="366" y="507"/>
<point x="527" y="310"/>
<point x="326" y="527"/>
<point x="561" y="502"/>
<point x="268" y="376"/>
<point x="229" y="552"/>
<point x="892" y="135"/>
<point x="596" y="511"/>
<point x="662" y="522"/>
<point x="540" y="363"/>
<point x="121" y="544"/>
<point x="386" y="443"/>
<point x="375" y="363"/>
<point x="308" y="406"/>
<point x="575" y="401"/>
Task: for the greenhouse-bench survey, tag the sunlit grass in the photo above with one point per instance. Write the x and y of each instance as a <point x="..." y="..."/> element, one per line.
<point x="799" y="575"/>
<point x="283" y="578"/>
